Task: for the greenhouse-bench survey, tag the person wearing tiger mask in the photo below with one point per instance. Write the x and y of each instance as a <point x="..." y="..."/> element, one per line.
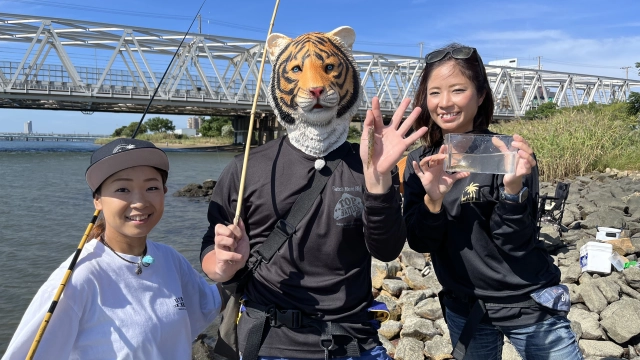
<point x="311" y="299"/>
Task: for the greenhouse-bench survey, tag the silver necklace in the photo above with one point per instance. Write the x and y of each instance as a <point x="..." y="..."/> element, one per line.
<point x="145" y="260"/>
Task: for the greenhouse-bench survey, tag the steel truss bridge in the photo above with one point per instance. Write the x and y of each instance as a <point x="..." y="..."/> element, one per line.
<point x="46" y="63"/>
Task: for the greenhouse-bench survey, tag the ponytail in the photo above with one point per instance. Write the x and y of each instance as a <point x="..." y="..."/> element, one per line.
<point x="98" y="228"/>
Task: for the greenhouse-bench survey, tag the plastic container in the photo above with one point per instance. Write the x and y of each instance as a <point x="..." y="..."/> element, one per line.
<point x="607" y="233"/>
<point x="480" y="153"/>
<point x="617" y="261"/>
<point x="595" y="257"/>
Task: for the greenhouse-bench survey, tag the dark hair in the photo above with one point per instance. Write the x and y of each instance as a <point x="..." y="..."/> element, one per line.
<point x="471" y="68"/>
<point x="100" y="225"/>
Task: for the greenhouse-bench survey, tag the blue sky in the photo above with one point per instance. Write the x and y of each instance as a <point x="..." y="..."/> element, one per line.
<point x="590" y="37"/>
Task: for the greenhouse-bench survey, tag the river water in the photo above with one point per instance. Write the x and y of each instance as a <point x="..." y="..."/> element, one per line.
<point x="45" y="206"/>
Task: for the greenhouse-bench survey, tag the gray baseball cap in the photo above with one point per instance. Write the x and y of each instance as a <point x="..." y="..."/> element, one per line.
<point x="122" y="154"/>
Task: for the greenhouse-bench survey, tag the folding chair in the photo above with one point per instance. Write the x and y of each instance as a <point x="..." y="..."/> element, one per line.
<point x="551" y="208"/>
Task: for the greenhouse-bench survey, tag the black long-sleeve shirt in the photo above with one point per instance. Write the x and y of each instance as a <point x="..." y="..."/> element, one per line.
<point x="480" y="246"/>
<point x="326" y="267"/>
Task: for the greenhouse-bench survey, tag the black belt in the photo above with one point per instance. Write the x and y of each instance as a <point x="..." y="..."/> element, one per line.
<point x="292" y="319"/>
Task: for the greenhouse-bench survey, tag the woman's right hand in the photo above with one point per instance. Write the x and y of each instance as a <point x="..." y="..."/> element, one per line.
<point x="434" y="179"/>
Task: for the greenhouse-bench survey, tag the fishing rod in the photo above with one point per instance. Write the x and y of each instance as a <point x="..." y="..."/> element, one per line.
<point x="67" y="275"/>
<point x="251" y="120"/>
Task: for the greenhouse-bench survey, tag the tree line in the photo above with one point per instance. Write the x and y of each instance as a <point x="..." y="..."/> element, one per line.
<point x="214" y="126"/>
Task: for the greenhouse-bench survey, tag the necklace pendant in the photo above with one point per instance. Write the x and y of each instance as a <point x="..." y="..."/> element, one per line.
<point x="139" y="269"/>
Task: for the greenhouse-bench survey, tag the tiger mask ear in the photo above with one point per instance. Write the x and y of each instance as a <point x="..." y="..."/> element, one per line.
<point x="275" y="43"/>
<point x="345" y="34"/>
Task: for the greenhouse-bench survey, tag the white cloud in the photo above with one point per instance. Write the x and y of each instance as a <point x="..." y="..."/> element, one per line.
<point x="565" y="53"/>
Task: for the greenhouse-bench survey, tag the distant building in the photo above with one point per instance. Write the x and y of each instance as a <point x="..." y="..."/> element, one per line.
<point x="194" y="123"/>
<point x="187" y="132"/>
<point x="513" y="62"/>
<point x="28" y="127"/>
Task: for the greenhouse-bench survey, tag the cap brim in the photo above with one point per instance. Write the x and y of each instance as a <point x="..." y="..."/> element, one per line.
<point x="101" y="170"/>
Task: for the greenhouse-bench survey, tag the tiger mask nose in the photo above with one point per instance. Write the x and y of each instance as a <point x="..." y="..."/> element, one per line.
<point x="316" y="91"/>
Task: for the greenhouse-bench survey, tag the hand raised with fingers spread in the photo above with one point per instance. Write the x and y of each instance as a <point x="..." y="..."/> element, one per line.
<point x="389" y="143"/>
<point x="231" y="248"/>
<point x="434" y="179"/>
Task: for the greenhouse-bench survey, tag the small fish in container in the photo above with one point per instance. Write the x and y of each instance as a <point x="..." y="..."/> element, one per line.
<point x="480" y="153"/>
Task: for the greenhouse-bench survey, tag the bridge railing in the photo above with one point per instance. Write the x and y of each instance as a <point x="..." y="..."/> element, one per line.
<point x="216" y="73"/>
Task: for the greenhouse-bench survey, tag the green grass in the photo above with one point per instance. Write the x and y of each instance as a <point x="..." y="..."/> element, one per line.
<point x="171" y="139"/>
<point x="579" y="140"/>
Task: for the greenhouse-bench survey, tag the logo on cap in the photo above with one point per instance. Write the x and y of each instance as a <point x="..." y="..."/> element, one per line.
<point x="123" y="147"/>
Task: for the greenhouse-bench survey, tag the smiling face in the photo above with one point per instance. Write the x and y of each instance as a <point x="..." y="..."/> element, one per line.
<point x="452" y="99"/>
<point x="132" y="202"/>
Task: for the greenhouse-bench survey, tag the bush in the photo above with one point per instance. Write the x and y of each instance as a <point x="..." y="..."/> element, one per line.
<point x="543" y="111"/>
<point x="576" y="141"/>
<point x="633" y="104"/>
<point x="354" y="134"/>
<point x="212" y="126"/>
<point x="227" y="131"/>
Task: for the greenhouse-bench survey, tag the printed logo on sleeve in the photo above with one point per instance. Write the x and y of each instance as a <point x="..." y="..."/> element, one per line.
<point x="179" y="304"/>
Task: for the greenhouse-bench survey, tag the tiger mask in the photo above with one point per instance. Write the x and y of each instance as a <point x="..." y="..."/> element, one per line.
<point x="315" y="87"/>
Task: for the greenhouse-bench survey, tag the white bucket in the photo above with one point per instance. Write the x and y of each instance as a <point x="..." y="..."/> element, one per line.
<point x="607" y="233"/>
<point x="595" y="257"/>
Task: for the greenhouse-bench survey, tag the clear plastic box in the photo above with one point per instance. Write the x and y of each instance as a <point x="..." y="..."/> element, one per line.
<point x="480" y="153"/>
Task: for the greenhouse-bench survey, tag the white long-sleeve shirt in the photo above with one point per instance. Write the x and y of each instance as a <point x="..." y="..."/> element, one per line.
<point x="108" y="312"/>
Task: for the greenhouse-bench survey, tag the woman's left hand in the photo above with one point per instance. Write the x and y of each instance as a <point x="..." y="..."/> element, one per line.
<point x="389" y="144"/>
<point x="524" y="163"/>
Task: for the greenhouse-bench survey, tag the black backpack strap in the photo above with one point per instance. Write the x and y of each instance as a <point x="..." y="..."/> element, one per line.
<point x="286" y="227"/>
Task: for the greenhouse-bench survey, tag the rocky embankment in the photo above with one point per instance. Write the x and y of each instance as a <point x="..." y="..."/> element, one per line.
<point x="197" y="191"/>
<point x="605" y="311"/>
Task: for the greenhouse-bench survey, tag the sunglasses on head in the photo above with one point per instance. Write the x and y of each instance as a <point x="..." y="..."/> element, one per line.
<point x="463" y="52"/>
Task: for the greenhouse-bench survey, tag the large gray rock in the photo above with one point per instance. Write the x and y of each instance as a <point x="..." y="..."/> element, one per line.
<point x="604" y="199"/>
<point x="413" y="258"/>
<point x="438" y="348"/>
<point x="627" y="290"/>
<point x="414" y="279"/>
<point x="392" y="305"/>
<point x="409" y="349"/>
<point x="597" y="348"/>
<point x="395" y="287"/>
<point x="441" y="325"/>
<point x="192" y="190"/>
<point x="604" y="217"/>
<point x="589" y="324"/>
<point x="609" y="289"/>
<point x="432" y="282"/>
<point x="632" y="277"/>
<point x="592" y="296"/>
<point x="388" y="345"/>
<point x="429" y="309"/>
<point x="621" y="320"/>
<point x="574" y="293"/>
<point x="390" y="329"/>
<point x="378" y="273"/>
<point x="570" y="274"/>
<point x="418" y="328"/>
<point x="413" y="297"/>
